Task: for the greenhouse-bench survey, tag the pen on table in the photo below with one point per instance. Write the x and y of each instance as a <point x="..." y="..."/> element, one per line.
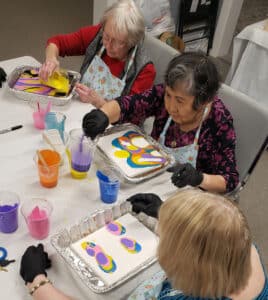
<point x="10" y="129"/>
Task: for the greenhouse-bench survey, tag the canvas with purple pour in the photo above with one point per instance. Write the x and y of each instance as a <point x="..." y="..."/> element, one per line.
<point x="64" y="240"/>
<point x="30" y="82"/>
<point x="118" y="248"/>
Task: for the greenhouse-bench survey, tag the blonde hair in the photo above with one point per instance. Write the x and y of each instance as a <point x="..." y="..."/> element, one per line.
<point x="204" y="244"/>
<point x="127" y="19"/>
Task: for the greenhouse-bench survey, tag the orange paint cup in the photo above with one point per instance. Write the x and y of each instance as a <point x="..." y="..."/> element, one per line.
<point x="49" y="173"/>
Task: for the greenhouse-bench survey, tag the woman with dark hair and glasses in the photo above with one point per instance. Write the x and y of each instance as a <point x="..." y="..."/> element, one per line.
<point x="191" y="122"/>
<point x="115" y="62"/>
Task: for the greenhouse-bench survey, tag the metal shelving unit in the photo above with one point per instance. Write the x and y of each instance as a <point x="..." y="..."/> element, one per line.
<point x="196" y="22"/>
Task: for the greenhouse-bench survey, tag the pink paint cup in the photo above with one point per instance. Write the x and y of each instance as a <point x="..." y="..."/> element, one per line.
<point x="40" y="109"/>
<point x="39" y="119"/>
<point x="37" y="214"/>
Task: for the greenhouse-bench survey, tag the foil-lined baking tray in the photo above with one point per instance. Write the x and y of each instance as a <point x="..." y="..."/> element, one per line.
<point x="119" y="171"/>
<point x="73" y="77"/>
<point x="63" y="240"/>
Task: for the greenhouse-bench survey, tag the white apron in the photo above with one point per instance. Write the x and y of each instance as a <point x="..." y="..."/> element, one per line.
<point x="99" y="77"/>
<point x="185" y="154"/>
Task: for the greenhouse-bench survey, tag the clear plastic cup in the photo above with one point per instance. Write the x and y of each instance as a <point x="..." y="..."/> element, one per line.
<point x="40" y="109"/>
<point x="55" y="120"/>
<point x="37" y="214"/>
<point x="80" y="151"/>
<point x="9" y="203"/>
<point x="49" y="173"/>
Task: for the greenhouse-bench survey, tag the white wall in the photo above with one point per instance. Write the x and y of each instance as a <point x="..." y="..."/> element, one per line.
<point x="226" y="24"/>
<point x="25" y="26"/>
<point x="98" y="8"/>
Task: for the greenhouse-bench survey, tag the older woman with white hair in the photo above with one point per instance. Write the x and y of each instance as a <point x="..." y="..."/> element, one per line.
<point x="115" y="60"/>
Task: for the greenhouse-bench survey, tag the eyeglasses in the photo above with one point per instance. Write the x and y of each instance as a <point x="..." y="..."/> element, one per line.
<point x="116" y="43"/>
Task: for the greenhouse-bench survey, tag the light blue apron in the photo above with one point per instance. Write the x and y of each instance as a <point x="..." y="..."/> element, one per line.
<point x="185" y="154"/>
<point x="151" y="288"/>
<point x="99" y="77"/>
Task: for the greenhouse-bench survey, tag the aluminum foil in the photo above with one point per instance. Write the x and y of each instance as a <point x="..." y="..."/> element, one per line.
<point x="16" y="73"/>
<point x="63" y="240"/>
<point x="120" y="173"/>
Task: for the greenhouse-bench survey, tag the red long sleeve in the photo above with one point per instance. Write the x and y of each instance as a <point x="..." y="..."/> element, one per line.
<point x="77" y="42"/>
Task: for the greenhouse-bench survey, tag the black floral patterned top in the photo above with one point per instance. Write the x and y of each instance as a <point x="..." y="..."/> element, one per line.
<point x="216" y="154"/>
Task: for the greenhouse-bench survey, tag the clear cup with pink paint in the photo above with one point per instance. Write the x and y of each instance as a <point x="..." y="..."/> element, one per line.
<point x="37" y="214"/>
<point x="40" y="110"/>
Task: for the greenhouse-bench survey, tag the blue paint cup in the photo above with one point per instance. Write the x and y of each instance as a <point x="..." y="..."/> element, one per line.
<point x="9" y="203"/>
<point x="55" y="120"/>
<point x="109" y="187"/>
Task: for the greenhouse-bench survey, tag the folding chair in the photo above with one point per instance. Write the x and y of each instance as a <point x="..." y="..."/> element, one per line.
<point x="161" y="54"/>
<point x="251" y="126"/>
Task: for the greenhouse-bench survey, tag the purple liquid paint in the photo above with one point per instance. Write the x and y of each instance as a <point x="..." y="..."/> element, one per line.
<point x="101" y="258"/>
<point x="90" y="252"/>
<point x="9" y="218"/>
<point x="81" y="161"/>
<point x="127" y="242"/>
<point x="112" y="227"/>
<point x="6" y="208"/>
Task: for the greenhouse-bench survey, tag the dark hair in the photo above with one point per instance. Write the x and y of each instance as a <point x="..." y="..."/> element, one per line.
<point x="198" y="72"/>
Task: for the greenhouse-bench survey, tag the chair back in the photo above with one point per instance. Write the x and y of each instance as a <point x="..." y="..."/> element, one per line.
<point x="161" y="54"/>
<point x="251" y="126"/>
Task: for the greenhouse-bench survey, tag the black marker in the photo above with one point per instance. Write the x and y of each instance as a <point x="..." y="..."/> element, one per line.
<point x="10" y="129"/>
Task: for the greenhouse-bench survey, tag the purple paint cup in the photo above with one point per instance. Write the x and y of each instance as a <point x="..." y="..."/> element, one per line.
<point x="9" y="203"/>
<point x="81" y="153"/>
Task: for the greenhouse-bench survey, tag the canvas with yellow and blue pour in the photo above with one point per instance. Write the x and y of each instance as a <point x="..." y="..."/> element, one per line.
<point x="117" y="249"/>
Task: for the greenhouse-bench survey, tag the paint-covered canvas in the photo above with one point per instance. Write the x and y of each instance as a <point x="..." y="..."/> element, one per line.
<point x="117" y="249"/>
<point x="132" y="153"/>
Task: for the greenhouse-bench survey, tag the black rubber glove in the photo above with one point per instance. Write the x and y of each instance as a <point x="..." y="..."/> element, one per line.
<point x="94" y="123"/>
<point x="3" y="76"/>
<point x="34" y="262"/>
<point x="147" y="203"/>
<point x="185" y="174"/>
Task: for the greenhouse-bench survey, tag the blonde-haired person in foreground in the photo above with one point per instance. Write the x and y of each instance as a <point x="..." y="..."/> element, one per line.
<point x="205" y="250"/>
<point x="115" y="63"/>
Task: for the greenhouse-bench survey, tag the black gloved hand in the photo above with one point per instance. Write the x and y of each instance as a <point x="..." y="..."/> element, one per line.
<point x="94" y="123"/>
<point x="185" y="174"/>
<point x="3" y="76"/>
<point x="34" y="262"/>
<point x="147" y="203"/>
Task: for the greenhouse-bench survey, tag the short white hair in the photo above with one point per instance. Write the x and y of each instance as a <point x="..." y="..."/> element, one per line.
<point x="126" y="18"/>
